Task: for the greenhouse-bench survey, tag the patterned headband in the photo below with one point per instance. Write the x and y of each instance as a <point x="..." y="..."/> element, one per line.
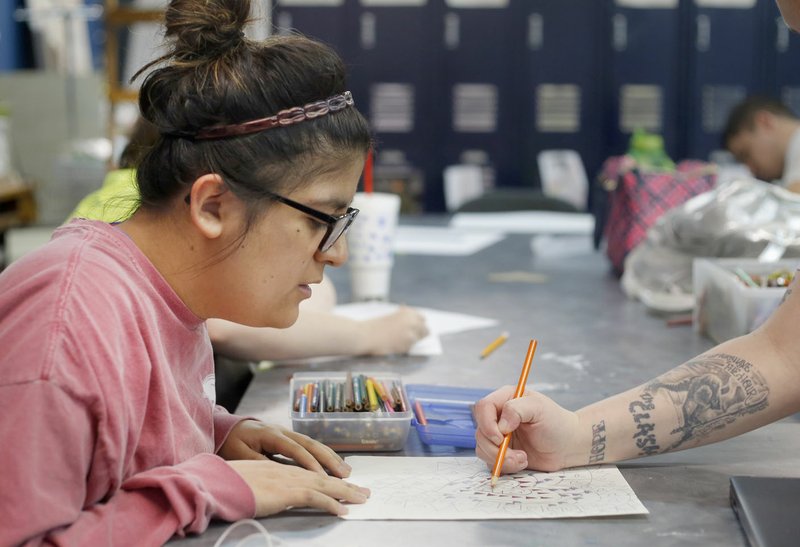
<point x="290" y="116"/>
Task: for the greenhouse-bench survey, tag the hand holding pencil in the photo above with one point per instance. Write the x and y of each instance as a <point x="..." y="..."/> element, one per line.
<point x="543" y="432"/>
<point x="523" y="380"/>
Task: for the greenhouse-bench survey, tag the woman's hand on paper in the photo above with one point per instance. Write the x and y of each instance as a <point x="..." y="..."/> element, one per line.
<point x="543" y="433"/>
<point x="278" y="487"/>
<point x="254" y="440"/>
<point x="394" y="333"/>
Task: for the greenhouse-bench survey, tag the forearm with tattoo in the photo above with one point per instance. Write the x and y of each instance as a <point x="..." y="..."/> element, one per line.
<point x="708" y="394"/>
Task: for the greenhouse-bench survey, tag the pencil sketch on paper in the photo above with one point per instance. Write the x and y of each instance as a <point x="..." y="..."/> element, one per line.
<point x="454" y="488"/>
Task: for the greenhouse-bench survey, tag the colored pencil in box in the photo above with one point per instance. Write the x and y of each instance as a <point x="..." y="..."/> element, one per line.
<point x="296" y="404"/>
<point x="357" y="404"/>
<point x="303" y="403"/>
<point x="362" y="384"/>
<point x="389" y="399"/>
<point x="315" y="397"/>
<point x="308" y="389"/>
<point x="337" y="397"/>
<point x="372" y="396"/>
<point x="329" y="402"/>
<point x="349" y="403"/>
<point x="384" y="401"/>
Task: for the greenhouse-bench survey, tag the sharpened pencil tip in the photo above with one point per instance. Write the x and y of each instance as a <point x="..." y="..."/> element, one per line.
<point x="494" y="481"/>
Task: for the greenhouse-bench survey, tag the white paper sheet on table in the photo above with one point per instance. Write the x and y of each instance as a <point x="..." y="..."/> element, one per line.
<point x="527" y="222"/>
<point x="442" y="240"/>
<point x="455" y="488"/>
<point x="439" y="322"/>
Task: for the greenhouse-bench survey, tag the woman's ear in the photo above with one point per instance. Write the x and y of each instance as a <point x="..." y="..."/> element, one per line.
<point x="210" y="205"/>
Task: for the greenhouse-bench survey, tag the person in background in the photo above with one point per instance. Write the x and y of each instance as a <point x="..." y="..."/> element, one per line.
<point x="111" y="433"/>
<point x="764" y="134"/>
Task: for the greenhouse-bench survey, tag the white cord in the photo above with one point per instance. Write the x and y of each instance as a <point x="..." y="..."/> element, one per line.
<point x="261" y="532"/>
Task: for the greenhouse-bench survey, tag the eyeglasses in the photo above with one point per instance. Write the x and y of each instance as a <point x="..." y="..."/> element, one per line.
<point x="337" y="226"/>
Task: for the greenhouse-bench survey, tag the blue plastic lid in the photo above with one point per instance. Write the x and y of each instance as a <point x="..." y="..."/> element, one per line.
<point x="448" y="411"/>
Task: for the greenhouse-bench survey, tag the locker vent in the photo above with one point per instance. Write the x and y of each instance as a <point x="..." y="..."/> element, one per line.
<point x="392" y="107"/>
<point x="475" y="108"/>
<point x="718" y="100"/>
<point x="558" y="108"/>
<point x="791" y="98"/>
<point x="640" y="108"/>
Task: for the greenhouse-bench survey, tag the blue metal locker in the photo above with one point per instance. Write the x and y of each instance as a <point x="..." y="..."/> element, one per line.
<point x="562" y="95"/>
<point x="14" y="38"/>
<point x="644" y="71"/>
<point x="781" y="55"/>
<point x="725" y="64"/>
<point x="392" y="71"/>
<point x="96" y="31"/>
<point x="480" y="89"/>
<point x="325" y="20"/>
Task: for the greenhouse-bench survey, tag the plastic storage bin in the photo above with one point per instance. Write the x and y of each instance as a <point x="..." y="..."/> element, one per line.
<point x="352" y="431"/>
<point x="448" y="413"/>
<point x="725" y="306"/>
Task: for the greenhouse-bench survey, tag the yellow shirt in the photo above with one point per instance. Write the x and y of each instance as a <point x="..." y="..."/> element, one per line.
<point x="115" y="201"/>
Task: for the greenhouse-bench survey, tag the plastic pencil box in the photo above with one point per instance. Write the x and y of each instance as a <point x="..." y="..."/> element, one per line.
<point x="726" y="306"/>
<point x="447" y="413"/>
<point x="343" y="430"/>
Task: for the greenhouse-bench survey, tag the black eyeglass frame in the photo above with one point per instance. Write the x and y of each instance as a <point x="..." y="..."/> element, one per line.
<point x="337" y="225"/>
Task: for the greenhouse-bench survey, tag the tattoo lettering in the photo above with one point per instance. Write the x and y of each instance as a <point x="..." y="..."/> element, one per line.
<point x="644" y="437"/>
<point x="711" y="392"/>
<point x="598" y="451"/>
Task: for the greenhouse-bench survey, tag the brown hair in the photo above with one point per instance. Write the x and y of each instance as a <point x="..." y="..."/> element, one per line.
<point x="214" y="75"/>
<point x="742" y="116"/>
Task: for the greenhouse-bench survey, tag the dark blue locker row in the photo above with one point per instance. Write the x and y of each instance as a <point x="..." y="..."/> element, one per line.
<point x="727" y="45"/>
<point x="644" y="66"/>
<point x="564" y="76"/>
<point x="443" y="83"/>
<point x="15" y="41"/>
<point x="782" y="58"/>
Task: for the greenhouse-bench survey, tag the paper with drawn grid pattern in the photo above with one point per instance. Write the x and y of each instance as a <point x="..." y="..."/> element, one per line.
<point x="455" y="488"/>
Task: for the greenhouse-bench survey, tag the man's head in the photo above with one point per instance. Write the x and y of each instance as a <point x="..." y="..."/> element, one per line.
<point x="758" y="132"/>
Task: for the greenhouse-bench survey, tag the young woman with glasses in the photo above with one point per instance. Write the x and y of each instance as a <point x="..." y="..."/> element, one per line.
<point x="110" y="429"/>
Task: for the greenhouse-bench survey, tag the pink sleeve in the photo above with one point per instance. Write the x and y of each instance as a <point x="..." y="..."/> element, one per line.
<point x="224" y="422"/>
<point x="45" y="496"/>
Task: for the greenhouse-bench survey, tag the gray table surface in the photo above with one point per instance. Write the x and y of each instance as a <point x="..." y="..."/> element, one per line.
<point x="593" y="342"/>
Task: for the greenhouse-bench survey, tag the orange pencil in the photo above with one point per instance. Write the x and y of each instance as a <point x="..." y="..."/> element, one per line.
<point x="523" y="379"/>
<point x="496" y="343"/>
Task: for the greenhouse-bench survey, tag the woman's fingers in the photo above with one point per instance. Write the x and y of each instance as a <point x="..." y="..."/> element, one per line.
<point x="323" y="454"/>
<point x="277" y="487"/>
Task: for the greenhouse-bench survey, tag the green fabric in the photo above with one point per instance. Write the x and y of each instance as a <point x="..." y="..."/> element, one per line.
<point x="115" y="201"/>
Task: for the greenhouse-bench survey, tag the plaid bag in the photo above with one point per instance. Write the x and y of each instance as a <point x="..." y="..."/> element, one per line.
<point x="638" y="197"/>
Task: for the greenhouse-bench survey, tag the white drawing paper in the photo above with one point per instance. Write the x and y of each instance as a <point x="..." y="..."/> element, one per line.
<point x="442" y="240"/>
<point x="439" y="322"/>
<point x="526" y="222"/>
<point x="458" y="488"/>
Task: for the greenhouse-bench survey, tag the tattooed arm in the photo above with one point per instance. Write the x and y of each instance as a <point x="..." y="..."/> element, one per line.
<point x="737" y="386"/>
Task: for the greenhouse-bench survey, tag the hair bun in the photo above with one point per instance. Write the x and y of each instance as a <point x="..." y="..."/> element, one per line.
<point x="206" y="27"/>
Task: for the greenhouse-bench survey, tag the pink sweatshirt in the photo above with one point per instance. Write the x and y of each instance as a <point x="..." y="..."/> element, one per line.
<point x="108" y="426"/>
